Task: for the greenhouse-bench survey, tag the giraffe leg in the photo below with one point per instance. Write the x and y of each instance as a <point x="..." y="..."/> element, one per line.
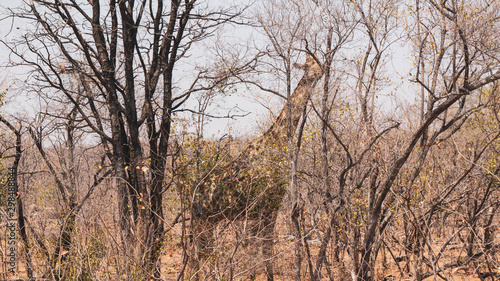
<point x="203" y="240"/>
<point x="268" y="244"/>
<point x="253" y="247"/>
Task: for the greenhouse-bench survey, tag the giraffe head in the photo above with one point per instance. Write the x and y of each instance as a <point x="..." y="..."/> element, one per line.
<point x="312" y="69"/>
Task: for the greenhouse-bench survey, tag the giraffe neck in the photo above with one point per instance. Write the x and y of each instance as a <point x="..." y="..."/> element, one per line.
<point x="289" y="117"/>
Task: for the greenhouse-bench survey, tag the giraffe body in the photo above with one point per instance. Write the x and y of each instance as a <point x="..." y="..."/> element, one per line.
<point x="253" y="185"/>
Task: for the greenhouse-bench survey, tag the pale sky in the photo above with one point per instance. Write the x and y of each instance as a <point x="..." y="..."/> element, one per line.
<point x="397" y="69"/>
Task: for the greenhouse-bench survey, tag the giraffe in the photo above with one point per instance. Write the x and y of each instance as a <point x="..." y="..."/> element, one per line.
<point x="252" y="185"/>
